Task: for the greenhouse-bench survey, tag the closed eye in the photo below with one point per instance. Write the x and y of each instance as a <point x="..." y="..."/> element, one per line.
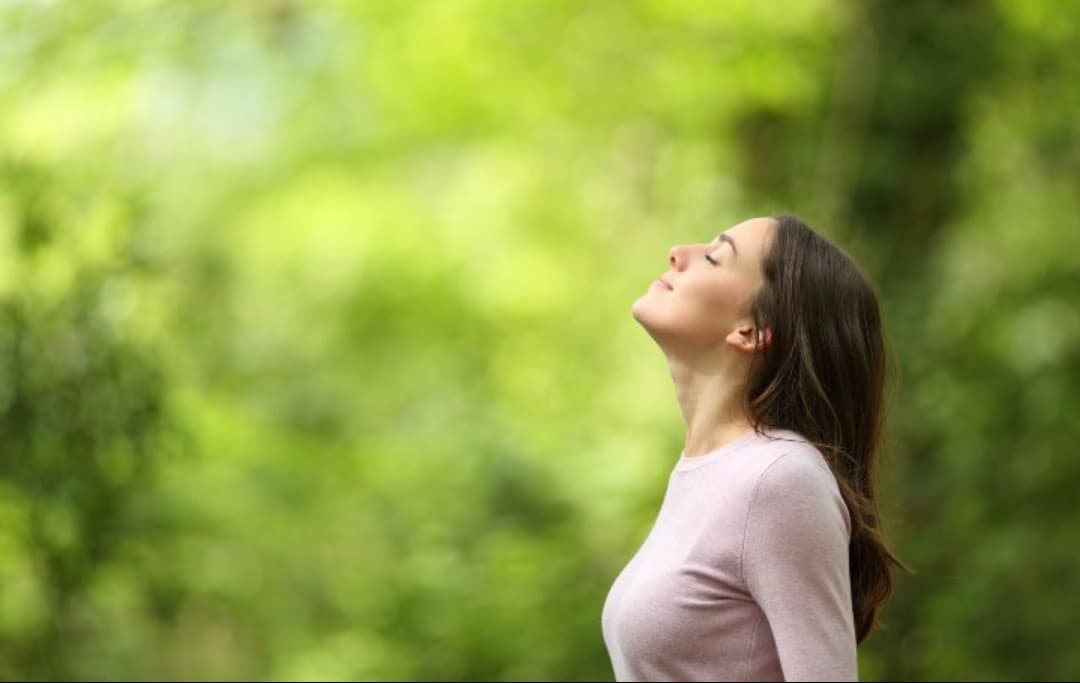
<point x="710" y="259"/>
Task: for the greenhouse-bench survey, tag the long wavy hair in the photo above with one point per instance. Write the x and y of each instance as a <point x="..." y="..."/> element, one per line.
<point x="823" y="376"/>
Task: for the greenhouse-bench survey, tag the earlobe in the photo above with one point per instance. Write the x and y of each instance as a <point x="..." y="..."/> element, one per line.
<point x="742" y="339"/>
<point x="749" y="339"/>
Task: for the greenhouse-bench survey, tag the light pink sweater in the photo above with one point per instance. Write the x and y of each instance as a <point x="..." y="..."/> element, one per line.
<point x="744" y="575"/>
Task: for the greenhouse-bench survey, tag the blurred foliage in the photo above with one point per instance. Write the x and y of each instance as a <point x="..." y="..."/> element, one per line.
<point x="316" y="359"/>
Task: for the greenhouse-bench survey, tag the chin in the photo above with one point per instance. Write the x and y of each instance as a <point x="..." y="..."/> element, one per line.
<point x="644" y="316"/>
<point x="640" y="310"/>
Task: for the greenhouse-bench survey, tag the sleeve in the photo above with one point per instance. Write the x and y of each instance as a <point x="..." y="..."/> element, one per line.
<point x="795" y="566"/>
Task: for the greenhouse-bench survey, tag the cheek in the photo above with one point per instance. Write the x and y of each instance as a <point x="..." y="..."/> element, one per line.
<point x="718" y="297"/>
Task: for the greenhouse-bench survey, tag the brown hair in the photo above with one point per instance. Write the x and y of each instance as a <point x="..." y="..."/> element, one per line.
<point x="823" y="376"/>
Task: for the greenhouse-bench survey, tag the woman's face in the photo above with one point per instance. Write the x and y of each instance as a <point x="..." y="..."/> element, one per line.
<point x="701" y="303"/>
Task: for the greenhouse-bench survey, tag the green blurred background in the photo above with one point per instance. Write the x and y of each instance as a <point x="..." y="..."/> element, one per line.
<point x="316" y="354"/>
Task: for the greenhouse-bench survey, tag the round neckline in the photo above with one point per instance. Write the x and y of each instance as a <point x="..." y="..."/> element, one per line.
<point x="685" y="463"/>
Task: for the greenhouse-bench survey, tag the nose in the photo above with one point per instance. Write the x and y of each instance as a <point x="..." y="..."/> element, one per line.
<point x="677" y="257"/>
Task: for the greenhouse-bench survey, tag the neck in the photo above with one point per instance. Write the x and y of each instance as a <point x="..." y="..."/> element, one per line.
<point x="711" y="400"/>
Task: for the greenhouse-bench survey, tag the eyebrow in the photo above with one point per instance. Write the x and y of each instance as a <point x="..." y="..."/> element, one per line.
<point x="724" y="238"/>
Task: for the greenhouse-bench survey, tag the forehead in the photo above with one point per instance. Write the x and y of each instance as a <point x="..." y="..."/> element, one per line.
<point x="752" y="235"/>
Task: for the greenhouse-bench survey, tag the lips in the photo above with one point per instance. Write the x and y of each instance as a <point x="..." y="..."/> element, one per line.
<point x="666" y="283"/>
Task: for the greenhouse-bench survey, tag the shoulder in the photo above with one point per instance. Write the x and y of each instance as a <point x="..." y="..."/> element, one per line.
<point x="794" y="479"/>
<point x="785" y="457"/>
<point x="773" y="457"/>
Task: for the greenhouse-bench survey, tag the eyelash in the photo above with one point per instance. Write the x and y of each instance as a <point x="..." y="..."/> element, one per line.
<point x="710" y="259"/>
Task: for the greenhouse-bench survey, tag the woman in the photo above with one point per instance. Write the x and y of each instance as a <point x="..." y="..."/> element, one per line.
<point x="765" y="561"/>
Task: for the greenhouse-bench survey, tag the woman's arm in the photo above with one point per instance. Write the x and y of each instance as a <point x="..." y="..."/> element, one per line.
<point x="795" y="565"/>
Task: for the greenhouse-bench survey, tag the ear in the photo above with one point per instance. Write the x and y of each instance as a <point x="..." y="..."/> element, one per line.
<point x="743" y="338"/>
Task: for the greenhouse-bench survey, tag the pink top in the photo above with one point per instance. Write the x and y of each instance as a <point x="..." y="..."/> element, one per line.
<point x="744" y="575"/>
